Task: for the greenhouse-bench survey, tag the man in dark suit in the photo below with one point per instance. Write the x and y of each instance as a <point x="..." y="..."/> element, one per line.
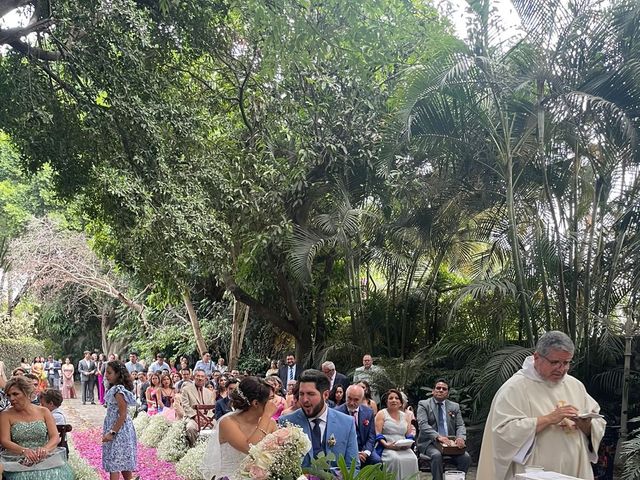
<point x="365" y="424"/>
<point x="439" y="419"/>
<point x="335" y="379"/>
<point x="87" y="369"/>
<point x="290" y="371"/>
<point x="223" y="405"/>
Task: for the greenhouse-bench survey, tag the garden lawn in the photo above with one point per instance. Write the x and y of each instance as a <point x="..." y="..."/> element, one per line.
<point x="150" y="467"/>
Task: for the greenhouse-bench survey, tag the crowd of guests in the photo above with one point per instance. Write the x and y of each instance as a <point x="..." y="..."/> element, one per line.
<point x="347" y="418"/>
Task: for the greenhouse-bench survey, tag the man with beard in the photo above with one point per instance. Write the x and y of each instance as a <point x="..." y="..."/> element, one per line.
<point x="330" y="431"/>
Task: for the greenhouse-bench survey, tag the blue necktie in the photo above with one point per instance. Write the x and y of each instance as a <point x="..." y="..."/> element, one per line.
<point x="290" y="373"/>
<point x="316" y="437"/>
<point x="442" y="421"/>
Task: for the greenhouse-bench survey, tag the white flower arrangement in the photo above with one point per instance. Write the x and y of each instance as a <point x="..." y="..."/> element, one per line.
<point x="174" y="445"/>
<point x="81" y="469"/>
<point x="277" y="456"/>
<point x="189" y="465"/>
<point x="140" y="423"/>
<point x="155" y="431"/>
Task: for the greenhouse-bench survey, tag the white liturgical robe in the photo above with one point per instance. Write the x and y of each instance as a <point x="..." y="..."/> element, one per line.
<point x="510" y="440"/>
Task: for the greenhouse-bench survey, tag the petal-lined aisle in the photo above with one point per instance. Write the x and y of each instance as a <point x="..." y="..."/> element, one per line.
<point x="150" y="467"/>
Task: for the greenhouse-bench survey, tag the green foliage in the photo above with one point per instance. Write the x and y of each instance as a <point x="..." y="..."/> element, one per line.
<point x="631" y="454"/>
<point x="321" y="468"/>
<point x="13" y="349"/>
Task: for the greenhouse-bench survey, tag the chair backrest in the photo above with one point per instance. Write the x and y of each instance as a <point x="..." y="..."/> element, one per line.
<point x="62" y="431"/>
<point x="203" y="419"/>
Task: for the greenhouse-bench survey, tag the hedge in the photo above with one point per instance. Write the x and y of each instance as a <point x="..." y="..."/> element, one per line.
<point x="13" y="349"/>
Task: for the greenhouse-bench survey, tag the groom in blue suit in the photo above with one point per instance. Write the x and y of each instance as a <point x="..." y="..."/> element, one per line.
<point x="365" y="422"/>
<point x="330" y="431"/>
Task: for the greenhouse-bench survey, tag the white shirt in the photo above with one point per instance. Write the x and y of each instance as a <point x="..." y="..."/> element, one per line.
<point x="331" y="380"/>
<point x="323" y="423"/>
<point x="58" y="416"/>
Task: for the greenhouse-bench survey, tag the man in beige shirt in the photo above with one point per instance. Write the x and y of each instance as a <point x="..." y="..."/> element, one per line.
<point x="196" y="394"/>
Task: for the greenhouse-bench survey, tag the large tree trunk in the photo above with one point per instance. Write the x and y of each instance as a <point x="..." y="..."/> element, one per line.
<point x="238" y="329"/>
<point x="195" y="323"/>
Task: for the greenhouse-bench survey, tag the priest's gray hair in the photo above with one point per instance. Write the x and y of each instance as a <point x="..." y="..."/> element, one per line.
<point x="554" y="340"/>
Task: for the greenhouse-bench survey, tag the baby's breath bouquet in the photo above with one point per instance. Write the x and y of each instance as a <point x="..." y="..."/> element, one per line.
<point x="278" y="456"/>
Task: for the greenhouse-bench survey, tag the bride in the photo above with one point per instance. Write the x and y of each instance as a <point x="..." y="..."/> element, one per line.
<point x="236" y="431"/>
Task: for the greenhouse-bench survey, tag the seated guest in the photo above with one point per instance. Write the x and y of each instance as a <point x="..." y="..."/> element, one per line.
<point x="364" y="419"/>
<point x="205" y="364"/>
<point x="166" y="393"/>
<point x="276" y="387"/>
<point x="35" y="381"/>
<point x="328" y="430"/>
<point x="195" y="394"/>
<point x="141" y="392"/>
<point x="19" y="372"/>
<point x="335" y="379"/>
<point x="439" y="419"/>
<point x="185" y="377"/>
<point x="224" y="404"/>
<point x="30" y="431"/>
<point x="338" y="395"/>
<point x="159" y="365"/>
<point x="152" y="393"/>
<point x="392" y="425"/>
<point x="368" y="400"/>
<point x="51" y="399"/>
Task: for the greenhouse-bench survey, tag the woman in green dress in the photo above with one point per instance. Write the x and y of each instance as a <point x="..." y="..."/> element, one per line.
<point x="30" y="438"/>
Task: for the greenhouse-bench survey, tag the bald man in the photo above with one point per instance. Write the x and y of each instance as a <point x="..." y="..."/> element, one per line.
<point x="365" y="424"/>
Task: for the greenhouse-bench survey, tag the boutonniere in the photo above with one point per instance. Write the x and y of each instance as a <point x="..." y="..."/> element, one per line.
<point x="452" y="414"/>
<point x="365" y="422"/>
<point x="332" y="440"/>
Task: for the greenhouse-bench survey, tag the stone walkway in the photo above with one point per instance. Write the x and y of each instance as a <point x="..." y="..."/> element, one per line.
<point x="84" y="417"/>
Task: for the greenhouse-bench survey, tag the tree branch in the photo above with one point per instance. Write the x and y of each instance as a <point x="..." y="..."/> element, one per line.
<point x="35" y="52"/>
<point x="258" y="308"/>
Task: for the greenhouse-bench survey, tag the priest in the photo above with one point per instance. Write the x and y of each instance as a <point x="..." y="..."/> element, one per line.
<point x="542" y="416"/>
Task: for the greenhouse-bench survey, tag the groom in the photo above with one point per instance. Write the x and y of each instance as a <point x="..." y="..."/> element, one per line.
<point x="329" y="430"/>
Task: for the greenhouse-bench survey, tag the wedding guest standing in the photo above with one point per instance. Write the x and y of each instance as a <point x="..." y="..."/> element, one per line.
<point x="68" y="387"/>
<point x="119" y="446"/>
<point x="101" y="366"/>
<point x="87" y="369"/>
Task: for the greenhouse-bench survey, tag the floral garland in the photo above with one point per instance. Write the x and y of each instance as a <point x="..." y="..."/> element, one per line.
<point x="150" y="467"/>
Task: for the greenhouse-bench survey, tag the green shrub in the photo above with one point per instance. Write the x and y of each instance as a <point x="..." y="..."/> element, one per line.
<point x="155" y="431"/>
<point x="189" y="466"/>
<point x="13" y="349"/>
<point x="174" y="444"/>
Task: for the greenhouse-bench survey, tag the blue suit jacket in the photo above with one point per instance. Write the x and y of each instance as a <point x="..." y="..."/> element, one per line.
<point x="366" y="434"/>
<point x="340" y="428"/>
<point x="223" y="406"/>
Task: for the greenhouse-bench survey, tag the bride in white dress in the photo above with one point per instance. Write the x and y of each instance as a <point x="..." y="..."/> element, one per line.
<point x="236" y="431"/>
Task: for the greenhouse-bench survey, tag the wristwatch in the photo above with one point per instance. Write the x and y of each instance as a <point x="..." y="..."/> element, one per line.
<point x="113" y="432"/>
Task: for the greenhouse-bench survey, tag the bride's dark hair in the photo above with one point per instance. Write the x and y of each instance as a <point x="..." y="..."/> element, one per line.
<point x="250" y="389"/>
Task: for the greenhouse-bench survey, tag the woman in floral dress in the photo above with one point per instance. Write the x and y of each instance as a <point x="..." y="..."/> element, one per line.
<point x="119" y="446"/>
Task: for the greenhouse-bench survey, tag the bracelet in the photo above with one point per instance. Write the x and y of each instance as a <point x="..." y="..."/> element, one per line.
<point x="265" y="433"/>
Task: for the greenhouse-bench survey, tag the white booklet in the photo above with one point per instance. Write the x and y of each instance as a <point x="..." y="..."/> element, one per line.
<point x="590" y="415"/>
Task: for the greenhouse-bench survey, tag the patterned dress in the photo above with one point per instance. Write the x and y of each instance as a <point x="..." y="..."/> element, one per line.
<point x="120" y="454"/>
<point x="34" y="435"/>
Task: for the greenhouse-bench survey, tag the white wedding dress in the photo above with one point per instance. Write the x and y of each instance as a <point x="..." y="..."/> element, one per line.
<point x="220" y="461"/>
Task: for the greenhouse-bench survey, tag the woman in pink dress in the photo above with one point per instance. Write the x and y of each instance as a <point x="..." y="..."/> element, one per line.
<point x="102" y="365"/>
<point x="276" y="387"/>
<point x="68" y="387"/>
